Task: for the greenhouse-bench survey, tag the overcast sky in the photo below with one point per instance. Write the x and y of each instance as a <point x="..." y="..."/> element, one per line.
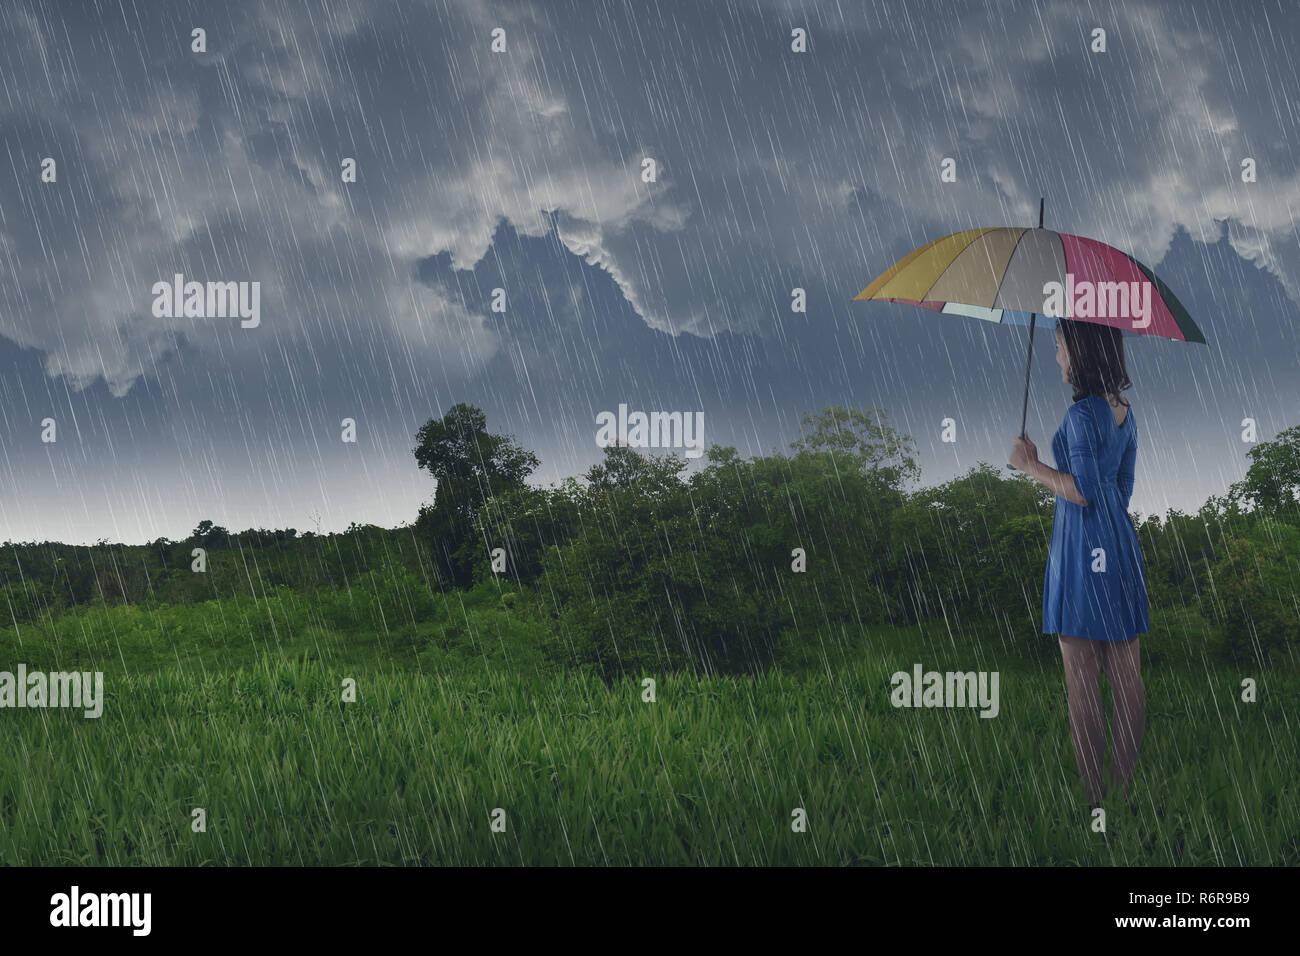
<point x="522" y="170"/>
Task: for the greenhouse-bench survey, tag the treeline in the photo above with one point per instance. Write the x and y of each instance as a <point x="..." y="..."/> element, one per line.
<point x="36" y="579"/>
<point x="638" y="564"/>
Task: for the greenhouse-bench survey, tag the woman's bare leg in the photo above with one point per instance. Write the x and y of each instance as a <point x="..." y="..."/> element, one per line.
<point x="1128" y="707"/>
<point x="1082" y="659"/>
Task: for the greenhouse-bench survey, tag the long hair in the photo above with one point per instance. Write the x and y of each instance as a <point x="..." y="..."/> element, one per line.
<point x="1096" y="359"/>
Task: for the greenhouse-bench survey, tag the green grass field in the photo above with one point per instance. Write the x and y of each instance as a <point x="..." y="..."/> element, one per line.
<point x="235" y="707"/>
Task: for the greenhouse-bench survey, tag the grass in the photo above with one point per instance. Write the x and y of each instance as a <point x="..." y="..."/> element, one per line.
<point x="235" y="708"/>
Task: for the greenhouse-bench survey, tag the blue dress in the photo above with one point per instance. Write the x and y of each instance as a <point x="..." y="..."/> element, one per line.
<point x="1094" y="586"/>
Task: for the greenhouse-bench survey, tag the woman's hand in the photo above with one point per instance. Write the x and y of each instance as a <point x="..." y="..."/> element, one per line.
<point x="1023" y="454"/>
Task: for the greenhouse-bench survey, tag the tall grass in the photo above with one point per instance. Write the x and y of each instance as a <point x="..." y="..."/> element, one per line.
<point x="588" y="773"/>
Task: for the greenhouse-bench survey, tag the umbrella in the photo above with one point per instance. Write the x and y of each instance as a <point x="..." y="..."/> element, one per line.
<point x="1011" y="275"/>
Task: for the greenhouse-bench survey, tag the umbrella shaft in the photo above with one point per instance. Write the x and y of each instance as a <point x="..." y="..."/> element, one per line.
<point x="1029" y="361"/>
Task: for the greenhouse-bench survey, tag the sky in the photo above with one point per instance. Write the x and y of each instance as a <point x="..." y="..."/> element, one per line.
<point x="523" y="170"/>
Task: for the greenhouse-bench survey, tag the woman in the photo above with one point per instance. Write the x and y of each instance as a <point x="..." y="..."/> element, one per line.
<point x="1094" y="590"/>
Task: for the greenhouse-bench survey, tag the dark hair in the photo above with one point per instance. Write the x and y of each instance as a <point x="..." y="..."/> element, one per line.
<point x="1096" y="359"/>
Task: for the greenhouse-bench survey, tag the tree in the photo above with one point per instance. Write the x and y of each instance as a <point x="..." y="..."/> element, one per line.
<point x="625" y="468"/>
<point x="210" y="536"/>
<point x="471" y="467"/>
<point x="1272" y="482"/>
<point x="861" y="442"/>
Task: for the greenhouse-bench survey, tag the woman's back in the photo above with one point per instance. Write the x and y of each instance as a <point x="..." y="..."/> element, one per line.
<point x="1096" y="449"/>
<point x="1119" y="413"/>
<point x="1094" y="584"/>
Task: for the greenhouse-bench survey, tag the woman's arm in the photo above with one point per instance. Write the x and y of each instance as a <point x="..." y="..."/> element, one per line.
<point x="1058" y="482"/>
<point x="1082" y="444"/>
<point x="1078" y="487"/>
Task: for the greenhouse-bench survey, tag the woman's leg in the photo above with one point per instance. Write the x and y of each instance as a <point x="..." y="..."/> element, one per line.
<point x="1128" y="707"/>
<point x="1082" y="659"/>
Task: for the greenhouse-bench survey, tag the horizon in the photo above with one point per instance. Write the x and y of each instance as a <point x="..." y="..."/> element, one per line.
<point x="920" y="485"/>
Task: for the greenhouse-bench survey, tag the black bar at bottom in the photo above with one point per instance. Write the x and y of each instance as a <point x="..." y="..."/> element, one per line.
<point x="330" y="906"/>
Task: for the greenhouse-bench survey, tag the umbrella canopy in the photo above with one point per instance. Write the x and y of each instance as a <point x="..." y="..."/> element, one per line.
<point x="1000" y="275"/>
<point x="1012" y="275"/>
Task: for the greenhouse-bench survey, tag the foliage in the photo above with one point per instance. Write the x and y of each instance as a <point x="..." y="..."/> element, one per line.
<point x="1272" y="482"/>
<point x="1255" y="599"/>
<point x="471" y="468"/>
<point x="639" y="565"/>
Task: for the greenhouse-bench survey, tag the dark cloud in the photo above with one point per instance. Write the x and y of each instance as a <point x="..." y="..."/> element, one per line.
<point x="522" y="171"/>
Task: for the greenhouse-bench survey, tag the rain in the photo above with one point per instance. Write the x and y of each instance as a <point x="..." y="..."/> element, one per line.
<point x="650" y="433"/>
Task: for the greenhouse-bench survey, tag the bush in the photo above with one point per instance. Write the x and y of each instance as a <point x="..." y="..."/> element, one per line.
<point x="485" y="628"/>
<point x="1255" y="598"/>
